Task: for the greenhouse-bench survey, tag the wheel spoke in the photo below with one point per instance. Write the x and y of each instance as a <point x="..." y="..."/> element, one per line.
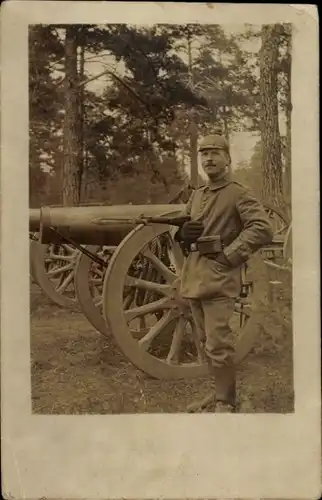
<point x="158" y="264"/>
<point x="66" y="282"/>
<point x="128" y="299"/>
<point x="149" y="308"/>
<point x="109" y="249"/>
<point x="69" y="248"/>
<point x="281" y="230"/>
<point x="67" y="258"/>
<point x="173" y="356"/>
<point x="98" y="272"/>
<point x="61" y="278"/>
<point x="60" y="270"/>
<point x="98" y="301"/>
<point x="142" y="323"/>
<point x="157" y="329"/>
<point x="147" y="285"/>
<point x="175" y="255"/>
<point x="48" y="260"/>
<point x="195" y="337"/>
<point x="95" y="281"/>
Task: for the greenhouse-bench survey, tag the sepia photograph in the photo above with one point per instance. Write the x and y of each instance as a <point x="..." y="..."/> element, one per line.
<point x="160" y="333"/>
<point x="160" y="218"/>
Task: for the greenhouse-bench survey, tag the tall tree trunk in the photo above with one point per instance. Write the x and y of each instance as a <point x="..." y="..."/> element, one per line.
<point x="193" y="129"/>
<point x="288" y="153"/>
<point x="71" y="186"/>
<point x="288" y="112"/>
<point x="81" y="111"/>
<point x="272" y="182"/>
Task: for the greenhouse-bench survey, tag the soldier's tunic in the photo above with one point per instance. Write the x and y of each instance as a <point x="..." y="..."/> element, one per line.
<point x="230" y="210"/>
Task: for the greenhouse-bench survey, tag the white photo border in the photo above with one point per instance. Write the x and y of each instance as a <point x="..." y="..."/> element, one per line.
<point x="158" y="456"/>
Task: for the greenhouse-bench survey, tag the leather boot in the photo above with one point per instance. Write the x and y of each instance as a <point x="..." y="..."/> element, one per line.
<point x="224" y="399"/>
<point x="207" y="404"/>
<point x="225" y="381"/>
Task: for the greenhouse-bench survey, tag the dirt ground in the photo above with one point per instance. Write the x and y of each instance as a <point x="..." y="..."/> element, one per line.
<point x="75" y="370"/>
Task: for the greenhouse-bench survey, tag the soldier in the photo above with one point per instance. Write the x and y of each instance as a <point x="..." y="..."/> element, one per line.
<point x="211" y="279"/>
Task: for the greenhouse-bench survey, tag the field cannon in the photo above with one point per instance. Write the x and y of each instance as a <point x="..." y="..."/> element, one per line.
<point x="127" y="275"/>
<point x="52" y="262"/>
<point x="54" y="265"/>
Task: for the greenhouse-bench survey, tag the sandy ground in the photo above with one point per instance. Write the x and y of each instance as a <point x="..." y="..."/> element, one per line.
<point x="75" y="370"/>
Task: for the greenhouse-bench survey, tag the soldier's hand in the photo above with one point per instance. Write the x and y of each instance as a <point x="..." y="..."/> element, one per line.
<point x="191" y="230"/>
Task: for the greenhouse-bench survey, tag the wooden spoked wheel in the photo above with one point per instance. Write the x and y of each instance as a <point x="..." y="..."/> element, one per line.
<point x="89" y="279"/>
<point x="53" y="270"/>
<point x="167" y="346"/>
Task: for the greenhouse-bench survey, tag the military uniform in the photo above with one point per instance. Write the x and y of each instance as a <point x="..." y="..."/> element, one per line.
<point x="229" y="210"/>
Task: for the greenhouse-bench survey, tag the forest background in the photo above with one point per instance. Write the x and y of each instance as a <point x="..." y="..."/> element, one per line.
<point x="116" y="111"/>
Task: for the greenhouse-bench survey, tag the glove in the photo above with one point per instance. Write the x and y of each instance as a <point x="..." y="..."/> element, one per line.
<point x="190" y="231"/>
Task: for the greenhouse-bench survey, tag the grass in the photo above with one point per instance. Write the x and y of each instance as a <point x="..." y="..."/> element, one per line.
<point x="75" y="370"/>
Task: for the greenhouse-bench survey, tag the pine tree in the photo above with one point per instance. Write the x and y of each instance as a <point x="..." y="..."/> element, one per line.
<point x="270" y="136"/>
<point x="45" y="50"/>
<point x="285" y="102"/>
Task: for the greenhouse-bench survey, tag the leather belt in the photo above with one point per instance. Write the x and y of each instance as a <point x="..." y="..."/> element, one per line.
<point x="212" y="256"/>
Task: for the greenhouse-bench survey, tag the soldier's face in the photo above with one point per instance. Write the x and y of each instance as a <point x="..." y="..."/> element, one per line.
<point x="214" y="161"/>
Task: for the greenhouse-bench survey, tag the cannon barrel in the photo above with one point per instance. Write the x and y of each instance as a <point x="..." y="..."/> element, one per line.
<point x="34" y="219"/>
<point x="35" y="213"/>
<point x="81" y="224"/>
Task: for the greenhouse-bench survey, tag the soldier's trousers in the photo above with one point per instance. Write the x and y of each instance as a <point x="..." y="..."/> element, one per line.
<point x="211" y="318"/>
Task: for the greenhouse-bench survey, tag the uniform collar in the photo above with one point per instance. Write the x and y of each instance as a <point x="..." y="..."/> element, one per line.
<point x="218" y="183"/>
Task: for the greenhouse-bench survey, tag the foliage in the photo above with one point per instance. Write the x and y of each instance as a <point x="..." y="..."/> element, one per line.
<point x="224" y="73"/>
<point x="159" y="80"/>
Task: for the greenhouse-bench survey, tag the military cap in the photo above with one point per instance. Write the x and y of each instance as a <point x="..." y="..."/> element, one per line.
<point x="216" y="140"/>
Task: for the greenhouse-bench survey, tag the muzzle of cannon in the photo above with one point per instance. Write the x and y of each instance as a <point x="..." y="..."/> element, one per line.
<point x="96" y="225"/>
<point x="34" y="219"/>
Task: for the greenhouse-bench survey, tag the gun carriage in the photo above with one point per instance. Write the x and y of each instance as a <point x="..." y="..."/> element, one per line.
<point x="123" y="266"/>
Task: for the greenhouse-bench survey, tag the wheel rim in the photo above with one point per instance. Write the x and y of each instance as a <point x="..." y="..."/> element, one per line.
<point x="171" y="327"/>
<point x="288" y="245"/>
<point x="275" y="257"/>
<point x="53" y="270"/>
<point x="89" y="279"/>
<point x="279" y="219"/>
